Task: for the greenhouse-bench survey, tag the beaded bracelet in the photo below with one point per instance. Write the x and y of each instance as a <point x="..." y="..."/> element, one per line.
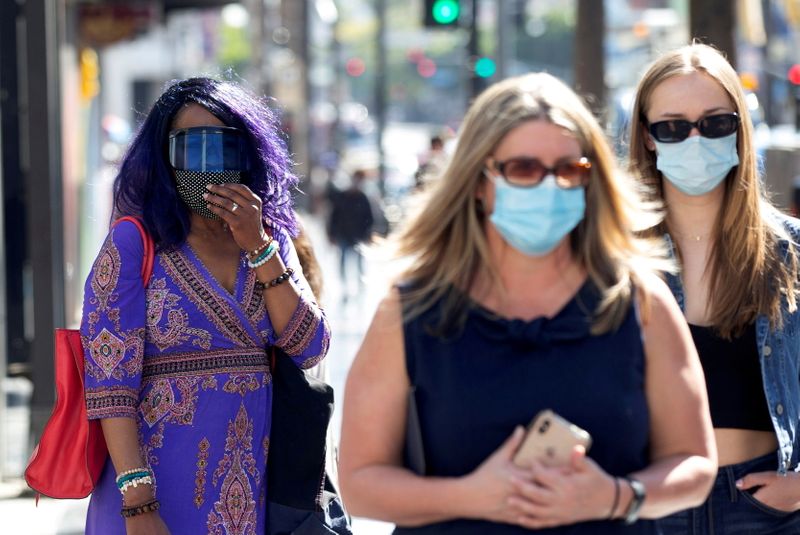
<point x="146" y="480"/>
<point x="255" y="252"/>
<point x="128" y="475"/>
<point x="149" y="507"/>
<point x="265" y="257"/>
<point x="133" y="470"/>
<point x="283" y="277"/>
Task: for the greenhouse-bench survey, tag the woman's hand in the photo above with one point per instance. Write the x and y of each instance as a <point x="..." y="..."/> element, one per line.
<point x="146" y="524"/>
<point x="493" y="490"/>
<point x="564" y="495"/>
<point x="776" y="491"/>
<point x="240" y="208"/>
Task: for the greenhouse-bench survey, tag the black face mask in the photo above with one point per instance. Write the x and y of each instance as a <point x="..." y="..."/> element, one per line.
<point x="192" y="185"/>
<point x="204" y="155"/>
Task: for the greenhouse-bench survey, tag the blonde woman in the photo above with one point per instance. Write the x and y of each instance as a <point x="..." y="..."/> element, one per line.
<point x="522" y="295"/>
<point x="693" y="144"/>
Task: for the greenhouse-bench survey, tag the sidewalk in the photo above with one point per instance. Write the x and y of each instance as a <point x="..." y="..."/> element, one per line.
<point x="349" y="320"/>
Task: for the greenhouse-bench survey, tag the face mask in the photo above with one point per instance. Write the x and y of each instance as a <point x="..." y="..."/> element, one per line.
<point x="534" y="220"/>
<point x="192" y="185"/>
<point x="697" y="164"/>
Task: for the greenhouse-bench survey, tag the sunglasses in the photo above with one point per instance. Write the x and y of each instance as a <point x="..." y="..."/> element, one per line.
<point x="713" y="126"/>
<point x="529" y="172"/>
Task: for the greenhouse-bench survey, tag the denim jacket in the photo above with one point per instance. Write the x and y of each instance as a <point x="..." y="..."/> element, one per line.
<point x="779" y="354"/>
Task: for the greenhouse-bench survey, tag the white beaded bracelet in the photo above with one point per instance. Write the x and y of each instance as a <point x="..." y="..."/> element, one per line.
<point x="260" y="262"/>
<point x="146" y="480"/>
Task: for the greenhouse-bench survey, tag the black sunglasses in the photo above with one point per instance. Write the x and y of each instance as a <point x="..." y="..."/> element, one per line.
<point x="713" y="126"/>
<point x="529" y="172"/>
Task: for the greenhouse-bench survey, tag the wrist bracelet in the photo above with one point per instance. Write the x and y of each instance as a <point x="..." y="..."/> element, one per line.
<point x="135" y="482"/>
<point x="255" y="252"/>
<point x="128" y="475"/>
<point x="280" y="279"/>
<point x="616" y="499"/>
<point x="131" y="471"/>
<point x="149" y="507"/>
<point x="639" y="495"/>
<point x="265" y="256"/>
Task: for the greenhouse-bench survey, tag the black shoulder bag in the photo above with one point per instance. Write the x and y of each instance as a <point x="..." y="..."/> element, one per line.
<point x="301" y="499"/>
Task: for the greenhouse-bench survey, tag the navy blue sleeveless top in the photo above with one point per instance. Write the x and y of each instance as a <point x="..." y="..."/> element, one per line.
<point x="474" y="387"/>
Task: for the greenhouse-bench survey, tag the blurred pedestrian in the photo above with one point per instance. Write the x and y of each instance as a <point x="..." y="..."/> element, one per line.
<point x="693" y="145"/>
<point x="527" y="289"/>
<point x="350" y="223"/>
<point x="432" y="163"/>
<point x="178" y="372"/>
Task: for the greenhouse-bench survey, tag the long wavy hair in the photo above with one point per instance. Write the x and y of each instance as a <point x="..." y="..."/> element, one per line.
<point x="746" y="272"/>
<point x="445" y="241"/>
<point x="145" y="186"/>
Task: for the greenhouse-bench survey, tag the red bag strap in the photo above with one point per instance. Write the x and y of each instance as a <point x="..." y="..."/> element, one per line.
<point x="149" y="247"/>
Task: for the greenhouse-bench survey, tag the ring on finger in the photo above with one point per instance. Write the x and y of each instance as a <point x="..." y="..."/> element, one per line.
<point x="234" y="207"/>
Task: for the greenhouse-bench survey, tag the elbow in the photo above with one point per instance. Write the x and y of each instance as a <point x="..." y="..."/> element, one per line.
<point x="353" y="500"/>
<point x="705" y="473"/>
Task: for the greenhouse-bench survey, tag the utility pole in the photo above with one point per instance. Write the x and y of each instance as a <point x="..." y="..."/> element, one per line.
<point x="503" y="33"/>
<point x="380" y="90"/>
<point x="475" y="84"/>
<point x="590" y="30"/>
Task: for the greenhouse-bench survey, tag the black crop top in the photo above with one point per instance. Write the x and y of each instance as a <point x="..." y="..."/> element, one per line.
<point x="733" y="379"/>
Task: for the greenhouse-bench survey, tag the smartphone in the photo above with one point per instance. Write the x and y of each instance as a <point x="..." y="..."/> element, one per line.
<point x="550" y="440"/>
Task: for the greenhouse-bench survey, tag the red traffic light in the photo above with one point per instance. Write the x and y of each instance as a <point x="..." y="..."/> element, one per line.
<point x="794" y="74"/>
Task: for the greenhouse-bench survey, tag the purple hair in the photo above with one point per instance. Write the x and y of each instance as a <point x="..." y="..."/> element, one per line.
<point x="145" y="187"/>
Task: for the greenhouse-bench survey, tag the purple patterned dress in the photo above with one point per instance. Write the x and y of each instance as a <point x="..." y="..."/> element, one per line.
<point x="189" y="361"/>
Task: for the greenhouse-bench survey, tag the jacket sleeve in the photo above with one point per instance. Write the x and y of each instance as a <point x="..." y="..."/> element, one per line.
<point x="113" y="326"/>
<point x="307" y="336"/>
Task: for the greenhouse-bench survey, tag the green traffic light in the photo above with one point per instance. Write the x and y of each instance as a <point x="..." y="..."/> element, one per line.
<point x="445" y="11"/>
<point x="485" y="68"/>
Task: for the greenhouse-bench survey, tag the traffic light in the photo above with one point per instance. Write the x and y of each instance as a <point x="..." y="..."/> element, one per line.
<point x="485" y="67"/>
<point x="442" y="13"/>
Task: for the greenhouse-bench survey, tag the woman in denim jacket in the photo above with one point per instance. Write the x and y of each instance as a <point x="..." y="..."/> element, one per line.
<point x="692" y="144"/>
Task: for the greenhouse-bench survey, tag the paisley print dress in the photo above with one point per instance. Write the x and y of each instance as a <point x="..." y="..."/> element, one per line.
<point x="188" y="360"/>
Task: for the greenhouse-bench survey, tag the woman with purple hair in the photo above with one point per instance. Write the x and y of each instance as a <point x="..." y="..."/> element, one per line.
<point x="178" y="371"/>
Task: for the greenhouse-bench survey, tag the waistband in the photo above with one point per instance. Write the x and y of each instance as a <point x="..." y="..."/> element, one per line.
<point x="728" y="474"/>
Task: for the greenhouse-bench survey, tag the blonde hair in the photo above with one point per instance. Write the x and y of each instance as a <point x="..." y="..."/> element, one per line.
<point x="747" y="275"/>
<point x="445" y="241"/>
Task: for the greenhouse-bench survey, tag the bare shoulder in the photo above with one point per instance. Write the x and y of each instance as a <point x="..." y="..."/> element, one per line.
<point x="383" y="343"/>
<point x="656" y="301"/>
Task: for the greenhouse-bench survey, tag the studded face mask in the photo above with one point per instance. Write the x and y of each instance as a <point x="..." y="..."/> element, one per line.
<point x="204" y="155"/>
<point x="192" y="185"/>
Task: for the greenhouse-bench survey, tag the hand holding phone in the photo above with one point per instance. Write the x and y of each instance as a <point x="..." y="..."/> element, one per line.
<point x="550" y="440"/>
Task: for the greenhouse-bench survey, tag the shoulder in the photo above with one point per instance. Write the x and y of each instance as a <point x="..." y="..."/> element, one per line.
<point x="785" y="226"/>
<point x="127" y="238"/>
<point x="655" y="300"/>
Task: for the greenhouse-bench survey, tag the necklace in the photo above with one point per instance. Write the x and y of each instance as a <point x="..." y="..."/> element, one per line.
<point x="691" y="237"/>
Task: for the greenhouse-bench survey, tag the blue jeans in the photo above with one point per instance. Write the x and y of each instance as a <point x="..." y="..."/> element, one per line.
<point x="730" y="511"/>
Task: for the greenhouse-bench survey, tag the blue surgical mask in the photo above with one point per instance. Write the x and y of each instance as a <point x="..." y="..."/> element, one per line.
<point x="534" y="220"/>
<point x="697" y="164"/>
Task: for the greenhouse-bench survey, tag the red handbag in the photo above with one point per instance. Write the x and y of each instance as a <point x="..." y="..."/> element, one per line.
<point x="72" y="451"/>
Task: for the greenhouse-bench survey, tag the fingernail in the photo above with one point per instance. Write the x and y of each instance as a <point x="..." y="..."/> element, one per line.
<point x="205" y="195"/>
<point x="209" y="186"/>
<point x="739" y="483"/>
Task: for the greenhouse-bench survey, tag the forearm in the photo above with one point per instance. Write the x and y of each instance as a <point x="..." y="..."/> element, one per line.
<point x="673" y="484"/>
<point x="396" y="495"/>
<point x="122" y="440"/>
<point x="281" y="300"/>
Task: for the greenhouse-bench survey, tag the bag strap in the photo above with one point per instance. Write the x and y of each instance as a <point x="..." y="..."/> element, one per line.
<point x="147" y="242"/>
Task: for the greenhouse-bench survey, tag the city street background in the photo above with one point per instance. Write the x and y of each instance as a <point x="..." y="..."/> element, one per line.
<point x="356" y="85"/>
